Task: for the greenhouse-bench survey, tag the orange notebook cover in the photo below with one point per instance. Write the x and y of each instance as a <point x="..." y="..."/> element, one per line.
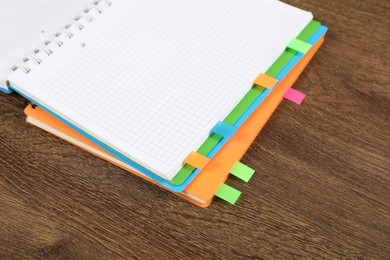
<point x="202" y="189"/>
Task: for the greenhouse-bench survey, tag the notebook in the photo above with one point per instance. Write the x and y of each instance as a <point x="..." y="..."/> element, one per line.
<point x="117" y="73"/>
<point x="203" y="188"/>
<point x="25" y="24"/>
<point x="210" y="180"/>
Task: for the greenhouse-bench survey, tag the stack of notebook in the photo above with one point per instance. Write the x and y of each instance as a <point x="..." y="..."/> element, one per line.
<point x="172" y="91"/>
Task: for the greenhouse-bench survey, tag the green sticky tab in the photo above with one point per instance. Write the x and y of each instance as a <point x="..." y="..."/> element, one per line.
<point x="242" y="171"/>
<point x="228" y="193"/>
<point x="300" y="46"/>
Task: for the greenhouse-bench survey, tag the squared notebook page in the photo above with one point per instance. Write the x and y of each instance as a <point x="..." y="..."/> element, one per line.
<point x="24" y="21"/>
<point x="154" y="83"/>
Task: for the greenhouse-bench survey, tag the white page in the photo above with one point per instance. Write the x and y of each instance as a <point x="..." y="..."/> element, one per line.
<point x="27" y="23"/>
<point x="156" y="75"/>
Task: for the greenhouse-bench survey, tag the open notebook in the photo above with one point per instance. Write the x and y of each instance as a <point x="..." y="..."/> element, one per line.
<point x="210" y="180"/>
<point x="148" y="80"/>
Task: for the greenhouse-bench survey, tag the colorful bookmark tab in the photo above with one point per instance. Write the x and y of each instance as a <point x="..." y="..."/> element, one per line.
<point x="265" y="81"/>
<point x="224" y="130"/>
<point x="196" y="160"/>
<point x="228" y="193"/>
<point x="242" y="171"/>
<point x="299" y="46"/>
<point x="294" y="96"/>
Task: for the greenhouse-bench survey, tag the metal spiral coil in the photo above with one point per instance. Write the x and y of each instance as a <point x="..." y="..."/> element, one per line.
<point x="59" y="39"/>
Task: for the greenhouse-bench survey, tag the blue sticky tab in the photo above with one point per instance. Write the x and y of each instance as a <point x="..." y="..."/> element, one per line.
<point x="224" y="130"/>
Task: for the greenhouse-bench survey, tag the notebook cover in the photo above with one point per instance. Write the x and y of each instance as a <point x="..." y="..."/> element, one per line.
<point x="205" y="184"/>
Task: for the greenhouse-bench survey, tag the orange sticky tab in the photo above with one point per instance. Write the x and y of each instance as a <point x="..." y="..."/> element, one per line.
<point x="196" y="160"/>
<point x="265" y="81"/>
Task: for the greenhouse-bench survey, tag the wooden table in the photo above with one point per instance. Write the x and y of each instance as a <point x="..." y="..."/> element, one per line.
<point x="321" y="189"/>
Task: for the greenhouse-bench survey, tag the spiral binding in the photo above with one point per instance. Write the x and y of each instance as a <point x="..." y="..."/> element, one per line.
<point x="59" y="39"/>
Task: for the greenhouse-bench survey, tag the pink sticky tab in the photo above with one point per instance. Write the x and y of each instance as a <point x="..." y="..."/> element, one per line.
<point x="294" y="96"/>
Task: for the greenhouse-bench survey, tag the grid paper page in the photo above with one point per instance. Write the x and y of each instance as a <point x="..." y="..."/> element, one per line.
<point x="168" y="71"/>
<point x="20" y="19"/>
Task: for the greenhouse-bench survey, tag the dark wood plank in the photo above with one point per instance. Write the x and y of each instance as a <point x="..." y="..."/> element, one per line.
<point x="321" y="188"/>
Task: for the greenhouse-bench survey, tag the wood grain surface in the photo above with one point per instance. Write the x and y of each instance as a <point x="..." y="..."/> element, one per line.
<point x="321" y="189"/>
